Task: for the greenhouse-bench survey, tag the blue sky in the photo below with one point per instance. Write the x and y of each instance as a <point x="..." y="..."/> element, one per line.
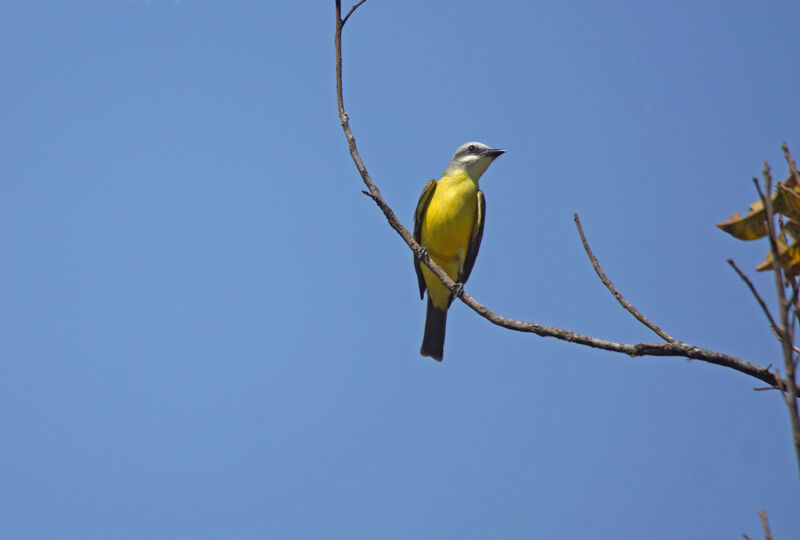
<point x="207" y="331"/>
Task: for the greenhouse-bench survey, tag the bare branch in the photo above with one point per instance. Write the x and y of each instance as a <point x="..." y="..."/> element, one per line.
<point x="760" y="301"/>
<point x="610" y="286"/>
<point x="673" y="348"/>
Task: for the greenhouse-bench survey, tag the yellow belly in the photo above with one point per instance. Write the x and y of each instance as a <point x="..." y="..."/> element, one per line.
<point x="447" y="229"/>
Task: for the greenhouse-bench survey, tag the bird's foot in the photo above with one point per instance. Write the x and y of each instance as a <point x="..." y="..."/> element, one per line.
<point x="458" y="290"/>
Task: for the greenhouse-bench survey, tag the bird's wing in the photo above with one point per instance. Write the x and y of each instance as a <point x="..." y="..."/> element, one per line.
<point x="419" y="215"/>
<point x="474" y="240"/>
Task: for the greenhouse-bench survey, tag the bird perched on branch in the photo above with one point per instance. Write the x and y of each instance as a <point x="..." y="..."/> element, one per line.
<point x="448" y="223"/>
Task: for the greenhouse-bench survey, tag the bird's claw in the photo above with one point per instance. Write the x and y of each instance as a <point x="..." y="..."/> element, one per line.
<point x="458" y="290"/>
<point x="422" y="253"/>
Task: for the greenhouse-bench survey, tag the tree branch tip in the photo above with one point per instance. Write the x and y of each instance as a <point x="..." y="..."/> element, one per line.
<point x="765" y="524"/>
<point x="352" y="10"/>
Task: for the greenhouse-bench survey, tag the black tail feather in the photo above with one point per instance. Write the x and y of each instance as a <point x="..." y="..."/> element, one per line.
<point x="433" y="339"/>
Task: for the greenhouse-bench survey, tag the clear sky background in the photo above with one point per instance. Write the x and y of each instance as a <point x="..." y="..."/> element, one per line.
<point x="207" y="331"/>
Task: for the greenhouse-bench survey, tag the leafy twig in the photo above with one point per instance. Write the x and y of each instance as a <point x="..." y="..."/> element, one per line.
<point x="786" y="331"/>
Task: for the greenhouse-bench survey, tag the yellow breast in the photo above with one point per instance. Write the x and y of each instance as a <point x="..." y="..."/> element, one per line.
<point x="449" y="220"/>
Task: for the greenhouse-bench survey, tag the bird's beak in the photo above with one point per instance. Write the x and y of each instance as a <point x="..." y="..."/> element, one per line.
<point x="493" y="152"/>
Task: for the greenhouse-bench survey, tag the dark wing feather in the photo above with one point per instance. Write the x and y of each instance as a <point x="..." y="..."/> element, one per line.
<point x="474" y="241"/>
<point x="419" y="216"/>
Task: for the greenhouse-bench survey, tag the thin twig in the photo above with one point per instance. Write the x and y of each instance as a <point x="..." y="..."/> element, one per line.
<point x="793" y="305"/>
<point x="610" y="286"/>
<point x="677" y="349"/>
<point x="765" y="524"/>
<point x="352" y="9"/>
<point x="790" y="160"/>
<point x="760" y="301"/>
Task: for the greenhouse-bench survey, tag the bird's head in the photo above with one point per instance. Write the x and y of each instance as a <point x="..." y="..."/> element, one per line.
<point x="473" y="158"/>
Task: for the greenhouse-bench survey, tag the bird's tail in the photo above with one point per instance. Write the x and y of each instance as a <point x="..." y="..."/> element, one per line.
<point x="433" y="339"/>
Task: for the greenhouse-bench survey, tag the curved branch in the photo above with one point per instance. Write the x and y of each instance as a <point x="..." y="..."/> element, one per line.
<point x="610" y="286"/>
<point x="672" y="348"/>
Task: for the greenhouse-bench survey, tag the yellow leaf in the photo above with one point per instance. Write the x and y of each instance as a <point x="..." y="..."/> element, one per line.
<point x="785" y="200"/>
<point x="750" y="227"/>
<point x="792" y="229"/>
<point x="789" y="257"/>
<point x="788" y="203"/>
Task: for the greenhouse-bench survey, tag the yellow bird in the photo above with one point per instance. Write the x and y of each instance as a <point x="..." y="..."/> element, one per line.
<point x="448" y="223"/>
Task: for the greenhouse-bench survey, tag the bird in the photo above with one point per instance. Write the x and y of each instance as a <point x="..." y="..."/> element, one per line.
<point x="448" y="224"/>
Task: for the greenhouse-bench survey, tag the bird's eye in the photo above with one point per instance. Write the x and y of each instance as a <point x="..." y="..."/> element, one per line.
<point x="471" y="148"/>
